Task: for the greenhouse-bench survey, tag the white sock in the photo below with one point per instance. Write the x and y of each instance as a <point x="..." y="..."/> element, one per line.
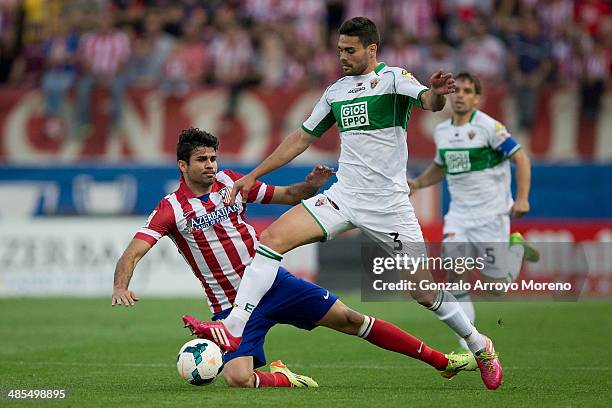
<point x="448" y="310"/>
<point x="515" y="261"/>
<point x="366" y="327"/>
<point x="257" y="280"/>
<point x="475" y="341"/>
<point x="465" y="301"/>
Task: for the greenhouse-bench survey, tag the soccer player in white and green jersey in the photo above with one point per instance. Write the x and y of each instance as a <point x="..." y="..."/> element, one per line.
<point x="371" y="106"/>
<point x="473" y="151"/>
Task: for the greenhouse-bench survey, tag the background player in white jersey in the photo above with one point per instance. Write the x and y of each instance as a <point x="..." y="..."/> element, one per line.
<point x="218" y="243"/>
<point x="371" y="106"/>
<point x="473" y="151"/>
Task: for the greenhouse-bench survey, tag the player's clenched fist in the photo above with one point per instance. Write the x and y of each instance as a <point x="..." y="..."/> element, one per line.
<point x="124" y="297"/>
<point x="520" y="208"/>
<point x="413" y="185"/>
<point x="242" y="186"/>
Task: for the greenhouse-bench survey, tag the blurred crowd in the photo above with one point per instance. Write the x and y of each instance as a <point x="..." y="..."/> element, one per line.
<point x="60" y="45"/>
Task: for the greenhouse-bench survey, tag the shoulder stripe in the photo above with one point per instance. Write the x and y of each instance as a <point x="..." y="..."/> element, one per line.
<point x="225" y="178"/>
<point x="147" y="231"/>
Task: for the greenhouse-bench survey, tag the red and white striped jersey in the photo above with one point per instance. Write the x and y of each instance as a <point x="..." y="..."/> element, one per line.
<point x="212" y="236"/>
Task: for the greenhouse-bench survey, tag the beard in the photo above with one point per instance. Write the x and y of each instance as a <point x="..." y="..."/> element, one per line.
<point x="357" y="68"/>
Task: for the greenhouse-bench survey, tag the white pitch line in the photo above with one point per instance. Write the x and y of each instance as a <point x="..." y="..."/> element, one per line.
<point x="317" y="366"/>
<point x="77" y="364"/>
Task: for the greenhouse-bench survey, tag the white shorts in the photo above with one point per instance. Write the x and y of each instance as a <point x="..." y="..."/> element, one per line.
<point x="389" y="220"/>
<point x="488" y="238"/>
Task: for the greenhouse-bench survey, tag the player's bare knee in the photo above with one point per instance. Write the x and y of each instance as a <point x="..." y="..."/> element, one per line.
<point x="424" y="298"/>
<point x="425" y="303"/>
<point x="354" y="320"/>
<point x="273" y="239"/>
<point x="342" y="319"/>
<point x="238" y="378"/>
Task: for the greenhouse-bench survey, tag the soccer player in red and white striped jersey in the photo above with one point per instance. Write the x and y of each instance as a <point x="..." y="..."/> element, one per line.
<point x="214" y="238"/>
<point x="218" y="244"/>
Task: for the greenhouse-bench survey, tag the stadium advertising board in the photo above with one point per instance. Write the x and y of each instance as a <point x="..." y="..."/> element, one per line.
<point x="77" y="257"/>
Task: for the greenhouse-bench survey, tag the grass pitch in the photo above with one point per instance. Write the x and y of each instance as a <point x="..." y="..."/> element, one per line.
<point x="554" y="354"/>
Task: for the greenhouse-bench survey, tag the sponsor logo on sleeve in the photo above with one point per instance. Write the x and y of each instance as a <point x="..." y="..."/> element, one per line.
<point x="407" y="74"/>
<point x="501" y="131"/>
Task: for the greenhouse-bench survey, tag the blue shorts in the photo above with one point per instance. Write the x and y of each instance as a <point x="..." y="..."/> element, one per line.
<point x="289" y="301"/>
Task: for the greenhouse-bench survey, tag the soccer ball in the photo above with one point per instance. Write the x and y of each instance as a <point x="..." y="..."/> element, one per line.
<point x="199" y="362"/>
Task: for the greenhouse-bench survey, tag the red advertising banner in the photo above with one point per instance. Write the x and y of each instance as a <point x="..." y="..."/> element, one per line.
<point x="263" y="118"/>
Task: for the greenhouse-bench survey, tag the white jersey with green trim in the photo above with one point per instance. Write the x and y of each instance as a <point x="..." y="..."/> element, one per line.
<point x="476" y="166"/>
<point x="371" y="112"/>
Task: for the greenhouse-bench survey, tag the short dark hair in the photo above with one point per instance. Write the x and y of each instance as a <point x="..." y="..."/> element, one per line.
<point x="192" y="138"/>
<point x="361" y="27"/>
<point x="472" y="78"/>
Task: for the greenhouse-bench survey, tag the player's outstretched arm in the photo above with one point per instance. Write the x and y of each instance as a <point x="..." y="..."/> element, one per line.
<point x="441" y="83"/>
<point x="523" y="183"/>
<point x="124" y="271"/>
<point x="432" y="175"/>
<point x="289" y="149"/>
<point x="293" y="194"/>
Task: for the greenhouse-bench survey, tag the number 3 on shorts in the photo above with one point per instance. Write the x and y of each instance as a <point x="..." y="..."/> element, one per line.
<point x="398" y="244"/>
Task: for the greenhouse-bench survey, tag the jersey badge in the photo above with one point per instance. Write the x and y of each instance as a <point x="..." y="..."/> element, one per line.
<point x="225" y="195"/>
<point x="320" y="202"/>
<point x="471" y="134"/>
<point x="373" y="83"/>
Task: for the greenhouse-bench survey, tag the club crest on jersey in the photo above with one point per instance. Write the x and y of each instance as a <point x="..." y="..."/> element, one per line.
<point x="373" y="83"/>
<point x="320" y="202"/>
<point x="211" y="218"/>
<point x="471" y="134"/>
<point x="225" y="194"/>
